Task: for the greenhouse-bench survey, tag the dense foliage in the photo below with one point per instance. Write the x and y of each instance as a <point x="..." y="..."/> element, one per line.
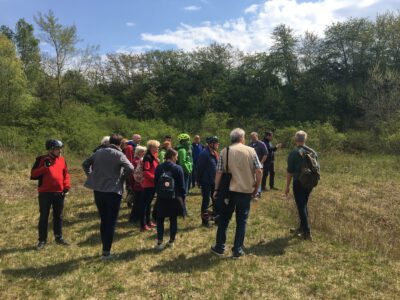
<point x="347" y="82"/>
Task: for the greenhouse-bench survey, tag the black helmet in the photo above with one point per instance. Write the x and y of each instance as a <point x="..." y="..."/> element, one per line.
<point x="212" y="140"/>
<point x="52" y="144"/>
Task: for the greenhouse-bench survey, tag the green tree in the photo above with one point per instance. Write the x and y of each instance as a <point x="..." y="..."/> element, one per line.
<point x="28" y="50"/>
<point x="63" y="39"/>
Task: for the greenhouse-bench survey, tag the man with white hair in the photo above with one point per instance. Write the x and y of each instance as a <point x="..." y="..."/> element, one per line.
<point x="246" y="170"/>
<point x="296" y="163"/>
<point x="136" y="139"/>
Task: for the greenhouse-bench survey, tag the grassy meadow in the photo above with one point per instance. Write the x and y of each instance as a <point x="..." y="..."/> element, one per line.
<point x="354" y="213"/>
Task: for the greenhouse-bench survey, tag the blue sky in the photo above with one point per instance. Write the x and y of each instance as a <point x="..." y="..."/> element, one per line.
<point x="139" y="25"/>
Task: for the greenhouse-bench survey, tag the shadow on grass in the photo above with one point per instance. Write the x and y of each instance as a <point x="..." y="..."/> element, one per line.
<point x="16" y="250"/>
<point x="94" y="239"/>
<point x="275" y="247"/>
<point x="182" y="264"/>
<point x="49" y="271"/>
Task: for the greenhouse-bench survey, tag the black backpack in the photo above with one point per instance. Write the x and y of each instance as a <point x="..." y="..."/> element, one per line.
<point x="166" y="186"/>
<point x="309" y="174"/>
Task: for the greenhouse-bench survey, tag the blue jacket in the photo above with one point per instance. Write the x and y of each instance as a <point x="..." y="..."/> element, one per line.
<point x="206" y="167"/>
<point x="196" y="150"/>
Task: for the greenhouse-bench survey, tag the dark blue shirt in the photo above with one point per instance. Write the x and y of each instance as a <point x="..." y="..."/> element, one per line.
<point x="260" y="148"/>
<point x="271" y="150"/>
<point x="196" y="150"/>
<point x="206" y="167"/>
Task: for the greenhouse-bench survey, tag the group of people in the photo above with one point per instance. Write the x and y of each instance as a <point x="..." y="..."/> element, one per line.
<point x="166" y="173"/>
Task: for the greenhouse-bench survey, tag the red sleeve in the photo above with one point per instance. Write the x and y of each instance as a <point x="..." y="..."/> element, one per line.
<point x="67" y="182"/>
<point x="129" y="153"/>
<point x="39" y="168"/>
<point x="147" y="171"/>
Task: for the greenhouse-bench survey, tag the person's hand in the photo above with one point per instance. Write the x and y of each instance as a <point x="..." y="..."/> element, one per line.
<point x="215" y="194"/>
<point x="65" y="192"/>
<point x="255" y="192"/>
<point x="287" y="190"/>
<point x="279" y="145"/>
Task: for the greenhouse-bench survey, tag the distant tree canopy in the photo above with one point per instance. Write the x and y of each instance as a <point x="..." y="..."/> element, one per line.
<point x="348" y="78"/>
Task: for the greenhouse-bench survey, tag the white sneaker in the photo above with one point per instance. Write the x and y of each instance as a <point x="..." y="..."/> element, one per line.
<point x="171" y="244"/>
<point x="159" y="246"/>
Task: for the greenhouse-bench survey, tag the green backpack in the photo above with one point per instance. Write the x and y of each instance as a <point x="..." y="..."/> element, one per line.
<point x="309" y="174"/>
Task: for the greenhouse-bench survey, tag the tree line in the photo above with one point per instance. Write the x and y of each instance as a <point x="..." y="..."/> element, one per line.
<point x="348" y="78"/>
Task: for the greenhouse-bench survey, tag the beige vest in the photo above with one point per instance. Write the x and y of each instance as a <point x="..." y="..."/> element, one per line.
<point x="241" y="166"/>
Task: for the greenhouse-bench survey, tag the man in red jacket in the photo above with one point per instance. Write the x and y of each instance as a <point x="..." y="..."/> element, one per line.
<point x="54" y="183"/>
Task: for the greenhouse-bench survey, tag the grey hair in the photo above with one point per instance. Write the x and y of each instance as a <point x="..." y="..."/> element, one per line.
<point x="300" y="136"/>
<point x="139" y="149"/>
<point x="236" y="135"/>
<point x="105" y="140"/>
<point x="254" y="133"/>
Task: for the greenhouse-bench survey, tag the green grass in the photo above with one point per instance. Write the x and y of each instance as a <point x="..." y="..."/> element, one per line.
<point x="354" y="213"/>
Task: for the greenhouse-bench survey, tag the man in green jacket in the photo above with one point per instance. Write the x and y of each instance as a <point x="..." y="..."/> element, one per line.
<point x="185" y="160"/>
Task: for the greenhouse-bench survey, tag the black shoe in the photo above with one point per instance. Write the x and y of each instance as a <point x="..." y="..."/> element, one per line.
<point x="40" y="245"/>
<point x="237" y="253"/>
<point x="205" y="224"/>
<point x="217" y="251"/>
<point x="307" y="236"/>
<point x="61" y="241"/>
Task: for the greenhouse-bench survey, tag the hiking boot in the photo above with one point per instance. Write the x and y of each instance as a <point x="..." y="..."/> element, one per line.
<point x="237" y="253"/>
<point x="145" y="228"/>
<point x="40" y="245"/>
<point x="307" y="236"/>
<point x="217" y="251"/>
<point x="107" y="255"/>
<point x="171" y="244"/>
<point x="61" y="241"/>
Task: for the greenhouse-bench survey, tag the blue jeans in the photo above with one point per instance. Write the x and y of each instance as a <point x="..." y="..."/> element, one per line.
<point x="173" y="228"/>
<point x="207" y="191"/>
<point x="301" y="197"/>
<point x="108" y="205"/>
<point x="241" y="203"/>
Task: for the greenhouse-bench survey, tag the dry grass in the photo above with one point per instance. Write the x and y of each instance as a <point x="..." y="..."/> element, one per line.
<point x="354" y="214"/>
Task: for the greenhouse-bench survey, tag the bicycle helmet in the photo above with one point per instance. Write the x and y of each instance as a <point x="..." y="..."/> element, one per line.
<point x="212" y="140"/>
<point x="53" y="144"/>
<point x="183" y="137"/>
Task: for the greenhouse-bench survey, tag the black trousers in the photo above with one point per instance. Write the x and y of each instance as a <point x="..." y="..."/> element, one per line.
<point x="268" y="168"/>
<point x="301" y="196"/>
<point x="108" y="205"/>
<point x="46" y="201"/>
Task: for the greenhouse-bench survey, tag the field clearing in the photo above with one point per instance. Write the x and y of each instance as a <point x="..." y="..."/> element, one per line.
<point x="355" y="216"/>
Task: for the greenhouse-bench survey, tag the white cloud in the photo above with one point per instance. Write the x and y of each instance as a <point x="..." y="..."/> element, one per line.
<point x="251" y="9"/>
<point x="130" y="24"/>
<point x="253" y="31"/>
<point x="134" y="49"/>
<point x="192" y="8"/>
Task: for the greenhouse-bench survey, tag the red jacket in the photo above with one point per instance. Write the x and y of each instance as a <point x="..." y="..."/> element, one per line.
<point x="129" y="153"/>
<point x="150" y="164"/>
<point x="51" y="179"/>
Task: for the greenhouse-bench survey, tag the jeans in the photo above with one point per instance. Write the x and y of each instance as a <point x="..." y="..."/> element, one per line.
<point x="268" y="168"/>
<point x="108" y="205"/>
<point x="173" y="228"/>
<point x="46" y="201"/>
<point x="301" y="197"/>
<point x="147" y="198"/>
<point x="207" y="191"/>
<point x="241" y="203"/>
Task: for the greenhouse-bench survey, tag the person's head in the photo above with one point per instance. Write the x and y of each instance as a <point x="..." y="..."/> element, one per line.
<point x="168" y="138"/>
<point x="171" y="155"/>
<point x="136" y="138"/>
<point x="140" y="151"/>
<point x="197" y="139"/>
<point x="54" y="147"/>
<point x="300" y="137"/>
<point x="237" y="136"/>
<point x="152" y="146"/>
<point x="269" y="135"/>
<point x="254" y="136"/>
<point x="105" y="141"/>
<point x="213" y="142"/>
<point x="184" y="138"/>
<point x="124" y="143"/>
<point x="166" y="145"/>
<point x="116" y="139"/>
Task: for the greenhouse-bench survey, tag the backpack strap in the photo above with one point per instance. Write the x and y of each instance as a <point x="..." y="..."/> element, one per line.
<point x="227" y="160"/>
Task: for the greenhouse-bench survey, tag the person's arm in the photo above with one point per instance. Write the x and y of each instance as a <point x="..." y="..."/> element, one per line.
<point x="218" y="174"/>
<point x="126" y="164"/>
<point x="67" y="182"/>
<point x="147" y="172"/>
<point x="88" y="162"/>
<point x="265" y="153"/>
<point x="258" y="173"/>
<point x="181" y="183"/>
<point x="39" y="168"/>
<point x="289" y="177"/>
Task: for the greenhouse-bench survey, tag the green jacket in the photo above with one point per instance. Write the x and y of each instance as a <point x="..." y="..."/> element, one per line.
<point x="161" y="155"/>
<point x="185" y="158"/>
